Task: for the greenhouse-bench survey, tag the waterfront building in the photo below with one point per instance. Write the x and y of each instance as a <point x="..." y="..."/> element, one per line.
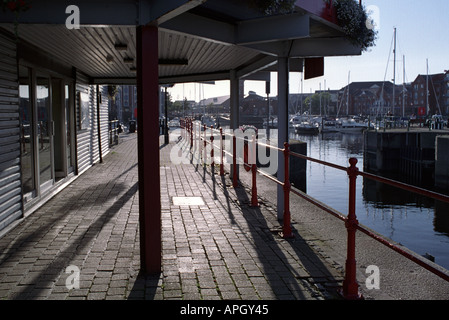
<point x="429" y="93"/>
<point x="375" y="98"/>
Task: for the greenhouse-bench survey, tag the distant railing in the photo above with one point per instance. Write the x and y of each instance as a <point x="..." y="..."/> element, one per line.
<point x="113" y="132"/>
<point x="350" y="288"/>
<point x="395" y="122"/>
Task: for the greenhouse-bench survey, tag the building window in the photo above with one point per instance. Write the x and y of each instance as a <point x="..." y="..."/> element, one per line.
<point x="83" y="100"/>
<point x="26" y="131"/>
<point x="125" y="96"/>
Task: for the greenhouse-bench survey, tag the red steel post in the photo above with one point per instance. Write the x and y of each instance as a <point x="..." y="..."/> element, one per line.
<point x="212" y="165"/>
<point x="221" y="153"/>
<point x="287" y="228"/>
<point x="204" y="145"/>
<point x="183" y="128"/>
<point x="350" y="285"/>
<point x="234" y="161"/>
<point x="254" y="202"/>
<point x="148" y="150"/>
<point x="191" y="133"/>
<point x="198" y="139"/>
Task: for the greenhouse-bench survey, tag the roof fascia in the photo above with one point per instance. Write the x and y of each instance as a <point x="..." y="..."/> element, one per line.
<point x="102" y="13"/>
<point x="309" y="47"/>
<point x="275" y="28"/>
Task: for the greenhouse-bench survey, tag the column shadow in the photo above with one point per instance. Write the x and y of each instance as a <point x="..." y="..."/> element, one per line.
<point x="287" y="279"/>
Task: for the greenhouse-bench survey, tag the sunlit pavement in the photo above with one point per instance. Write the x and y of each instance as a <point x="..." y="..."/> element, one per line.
<point x="84" y="242"/>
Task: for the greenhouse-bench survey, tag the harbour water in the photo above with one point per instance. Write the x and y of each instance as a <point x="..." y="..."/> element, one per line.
<point x="419" y="223"/>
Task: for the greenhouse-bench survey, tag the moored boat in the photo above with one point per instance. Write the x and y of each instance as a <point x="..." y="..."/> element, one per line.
<point x="306" y="127"/>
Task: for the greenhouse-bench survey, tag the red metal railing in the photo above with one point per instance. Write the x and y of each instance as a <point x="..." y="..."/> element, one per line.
<point x="350" y="288"/>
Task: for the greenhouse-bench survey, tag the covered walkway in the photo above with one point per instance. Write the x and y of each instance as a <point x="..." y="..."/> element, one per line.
<point x="218" y="249"/>
<point x="154" y="43"/>
<point x="84" y="243"/>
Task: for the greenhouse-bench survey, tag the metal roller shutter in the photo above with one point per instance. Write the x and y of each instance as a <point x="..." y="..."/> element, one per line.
<point x="10" y="183"/>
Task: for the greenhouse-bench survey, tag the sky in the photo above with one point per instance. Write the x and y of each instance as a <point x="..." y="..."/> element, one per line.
<point x="422" y="34"/>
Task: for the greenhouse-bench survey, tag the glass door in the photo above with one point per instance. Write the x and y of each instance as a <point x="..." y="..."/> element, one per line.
<point x="27" y="155"/>
<point x="44" y="132"/>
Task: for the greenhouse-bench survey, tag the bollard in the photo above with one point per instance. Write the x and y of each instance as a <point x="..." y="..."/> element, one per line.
<point x="221" y="153"/>
<point x="350" y="285"/>
<point x="254" y="202"/>
<point x="287" y="228"/>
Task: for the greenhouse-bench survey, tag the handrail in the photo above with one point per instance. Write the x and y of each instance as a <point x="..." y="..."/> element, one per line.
<point x="329" y="164"/>
<point x="404" y="186"/>
<point x="113" y="129"/>
<point x="350" y="286"/>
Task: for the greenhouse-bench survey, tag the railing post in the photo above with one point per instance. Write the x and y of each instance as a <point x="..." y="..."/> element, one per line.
<point x="191" y="132"/>
<point x="221" y="153"/>
<point x="253" y="162"/>
<point x="204" y="145"/>
<point x="181" y="124"/>
<point x="234" y="161"/>
<point x="212" y="165"/>
<point x="287" y="228"/>
<point x="350" y="285"/>
<point x="198" y="139"/>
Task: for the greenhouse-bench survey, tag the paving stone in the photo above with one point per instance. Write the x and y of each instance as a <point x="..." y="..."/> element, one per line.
<point x="220" y="250"/>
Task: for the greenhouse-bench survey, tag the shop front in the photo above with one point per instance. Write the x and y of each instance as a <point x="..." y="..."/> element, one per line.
<point x="53" y="126"/>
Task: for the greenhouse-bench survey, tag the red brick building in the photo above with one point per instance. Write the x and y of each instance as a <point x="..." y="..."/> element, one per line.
<point x="436" y="86"/>
<point x="375" y="98"/>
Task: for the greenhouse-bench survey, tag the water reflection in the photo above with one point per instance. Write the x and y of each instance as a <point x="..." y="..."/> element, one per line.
<point x="419" y="223"/>
<point x="441" y="219"/>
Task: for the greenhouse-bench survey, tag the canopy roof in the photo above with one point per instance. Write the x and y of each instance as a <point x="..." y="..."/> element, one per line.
<point x="198" y="40"/>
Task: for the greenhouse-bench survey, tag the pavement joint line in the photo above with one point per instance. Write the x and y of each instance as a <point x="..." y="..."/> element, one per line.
<point x="223" y="249"/>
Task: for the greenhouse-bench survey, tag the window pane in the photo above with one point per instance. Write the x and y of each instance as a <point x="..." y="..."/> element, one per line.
<point x="26" y="131"/>
<point x="43" y="128"/>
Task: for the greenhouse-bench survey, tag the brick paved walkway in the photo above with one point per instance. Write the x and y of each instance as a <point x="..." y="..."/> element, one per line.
<point x="222" y="249"/>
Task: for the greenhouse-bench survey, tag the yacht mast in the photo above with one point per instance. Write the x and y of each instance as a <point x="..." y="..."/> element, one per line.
<point x="403" y="86"/>
<point x="347" y="98"/>
<point x="394" y="71"/>
<point x="427" y="87"/>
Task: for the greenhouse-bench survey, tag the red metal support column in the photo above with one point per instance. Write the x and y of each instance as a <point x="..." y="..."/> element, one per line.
<point x="205" y="145"/>
<point x="253" y="162"/>
<point x="221" y="153"/>
<point x="191" y="133"/>
<point x="287" y="227"/>
<point x="350" y="285"/>
<point x="212" y="164"/>
<point x="148" y="149"/>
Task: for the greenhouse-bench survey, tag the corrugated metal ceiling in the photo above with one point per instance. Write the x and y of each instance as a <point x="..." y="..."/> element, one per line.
<point x="92" y="50"/>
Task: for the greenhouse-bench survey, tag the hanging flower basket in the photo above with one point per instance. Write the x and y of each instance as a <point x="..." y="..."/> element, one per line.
<point x="352" y="18"/>
<point x="271" y="7"/>
<point x="16" y="7"/>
